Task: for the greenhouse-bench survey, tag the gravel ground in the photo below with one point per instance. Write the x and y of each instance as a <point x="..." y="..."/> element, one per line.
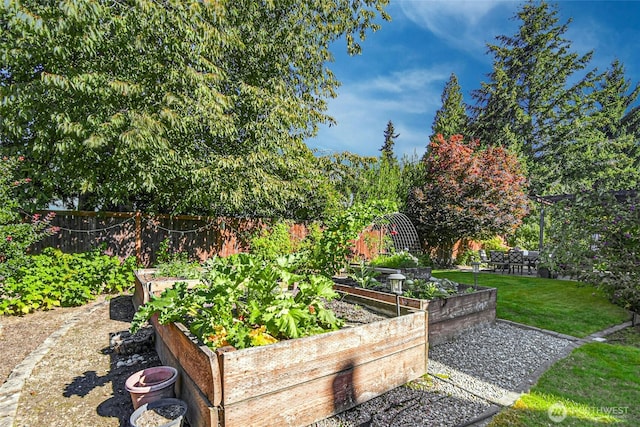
<point x="479" y="371"/>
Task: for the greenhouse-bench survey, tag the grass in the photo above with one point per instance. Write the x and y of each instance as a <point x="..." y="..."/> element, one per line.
<point x="563" y="306"/>
<point x="599" y="383"/>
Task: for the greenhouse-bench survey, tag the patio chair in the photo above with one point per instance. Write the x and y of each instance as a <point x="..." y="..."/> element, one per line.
<point x="496" y="259"/>
<point x="516" y="261"/>
<point x="532" y="259"/>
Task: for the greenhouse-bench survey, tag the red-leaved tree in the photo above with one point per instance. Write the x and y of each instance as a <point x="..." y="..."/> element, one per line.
<point x="466" y="192"/>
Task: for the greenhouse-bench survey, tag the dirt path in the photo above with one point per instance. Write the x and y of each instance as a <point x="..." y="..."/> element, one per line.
<point x="79" y="380"/>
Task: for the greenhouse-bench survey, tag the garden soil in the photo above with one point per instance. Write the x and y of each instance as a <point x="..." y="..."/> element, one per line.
<point x="81" y="379"/>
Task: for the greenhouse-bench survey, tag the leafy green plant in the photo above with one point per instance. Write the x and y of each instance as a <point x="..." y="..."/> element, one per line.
<point x="493" y="244"/>
<point x="363" y="275"/>
<point x="273" y="242"/>
<point x="400" y="259"/>
<point x="467" y="256"/>
<point x="596" y="239"/>
<point x="57" y="279"/>
<point x="430" y="289"/>
<point x="245" y="301"/>
<point x="17" y="235"/>
<point x="331" y="250"/>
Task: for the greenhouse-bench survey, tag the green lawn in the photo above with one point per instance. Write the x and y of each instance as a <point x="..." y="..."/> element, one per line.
<point x="599" y="383"/>
<point x="558" y="305"/>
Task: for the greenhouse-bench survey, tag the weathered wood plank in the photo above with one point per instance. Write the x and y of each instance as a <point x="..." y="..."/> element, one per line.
<point x="414" y="303"/>
<point x="198" y="360"/>
<point x="200" y="411"/>
<point x="447" y="317"/>
<point x="330" y="394"/>
<point x="462" y="305"/>
<point x="449" y="329"/>
<point x="258" y="371"/>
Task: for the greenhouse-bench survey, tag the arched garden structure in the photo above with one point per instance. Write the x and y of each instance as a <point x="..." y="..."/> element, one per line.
<point x="396" y="231"/>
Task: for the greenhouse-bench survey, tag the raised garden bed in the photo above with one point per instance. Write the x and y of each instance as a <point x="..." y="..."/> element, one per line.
<point x="294" y="382"/>
<point x="448" y="317"/>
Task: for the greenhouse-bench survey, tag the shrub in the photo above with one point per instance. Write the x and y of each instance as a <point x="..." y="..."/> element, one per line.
<point x="397" y="260"/>
<point x="273" y="242"/>
<point x="54" y="279"/>
<point x="15" y="235"/>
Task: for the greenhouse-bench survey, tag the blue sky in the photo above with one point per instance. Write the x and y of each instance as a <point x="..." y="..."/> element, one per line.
<point x="405" y="65"/>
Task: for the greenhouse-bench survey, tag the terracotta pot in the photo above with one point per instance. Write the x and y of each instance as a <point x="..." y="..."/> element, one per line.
<point x="151" y="384"/>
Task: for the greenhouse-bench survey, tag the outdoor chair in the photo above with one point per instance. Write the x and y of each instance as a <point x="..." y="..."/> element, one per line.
<point x="516" y="261"/>
<point x="496" y="259"/>
<point x="532" y="259"/>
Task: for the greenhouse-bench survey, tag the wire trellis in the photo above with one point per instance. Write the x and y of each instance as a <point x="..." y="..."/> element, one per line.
<point x="398" y="229"/>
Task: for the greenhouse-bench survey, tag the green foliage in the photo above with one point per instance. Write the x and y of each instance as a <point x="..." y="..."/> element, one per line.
<point x="527" y="235"/>
<point x="363" y="275"/>
<point x="55" y="279"/>
<point x="544" y="103"/>
<point x="466" y="191"/>
<point x="198" y="106"/>
<point x="400" y="259"/>
<point x="596" y="238"/>
<point x="430" y="289"/>
<point x="389" y="141"/>
<point x="171" y="263"/>
<point x="16" y="235"/>
<point x="246" y="301"/>
<point x="451" y="119"/>
<point x="270" y="243"/>
<point x="333" y="248"/>
<point x="180" y="268"/>
<point x="466" y="257"/>
<point x="493" y="244"/>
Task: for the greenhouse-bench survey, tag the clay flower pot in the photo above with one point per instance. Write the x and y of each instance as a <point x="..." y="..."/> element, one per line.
<point x="151" y="384"/>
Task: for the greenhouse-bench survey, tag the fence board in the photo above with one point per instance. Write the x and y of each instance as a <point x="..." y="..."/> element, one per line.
<point x="126" y="234"/>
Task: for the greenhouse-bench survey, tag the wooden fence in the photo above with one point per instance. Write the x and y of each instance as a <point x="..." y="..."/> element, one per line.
<point x="140" y="235"/>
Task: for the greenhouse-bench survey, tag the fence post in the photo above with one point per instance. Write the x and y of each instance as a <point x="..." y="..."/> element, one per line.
<point x="139" y="237"/>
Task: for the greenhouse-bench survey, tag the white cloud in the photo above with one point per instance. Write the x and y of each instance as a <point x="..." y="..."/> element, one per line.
<point x="362" y="111"/>
<point x="466" y="24"/>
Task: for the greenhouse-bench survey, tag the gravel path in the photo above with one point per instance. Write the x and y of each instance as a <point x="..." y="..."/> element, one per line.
<point x="469" y="379"/>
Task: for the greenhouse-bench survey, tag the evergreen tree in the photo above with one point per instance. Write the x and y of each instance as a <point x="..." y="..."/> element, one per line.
<point x="389" y="142"/>
<point x="451" y="119"/>
<point x="612" y="99"/>
<point x="534" y="100"/>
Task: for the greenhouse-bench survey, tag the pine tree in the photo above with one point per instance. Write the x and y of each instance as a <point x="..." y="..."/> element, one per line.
<point x="451" y="119"/>
<point x="531" y="103"/>
<point x="389" y="142"/>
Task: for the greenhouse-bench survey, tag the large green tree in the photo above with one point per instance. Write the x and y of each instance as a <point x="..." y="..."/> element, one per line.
<point x="451" y="119"/>
<point x="534" y="99"/>
<point x="175" y="106"/>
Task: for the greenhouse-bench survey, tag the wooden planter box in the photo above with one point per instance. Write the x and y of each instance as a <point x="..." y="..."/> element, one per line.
<point x="295" y="382"/>
<point x="448" y="317"/>
<point x="146" y="285"/>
